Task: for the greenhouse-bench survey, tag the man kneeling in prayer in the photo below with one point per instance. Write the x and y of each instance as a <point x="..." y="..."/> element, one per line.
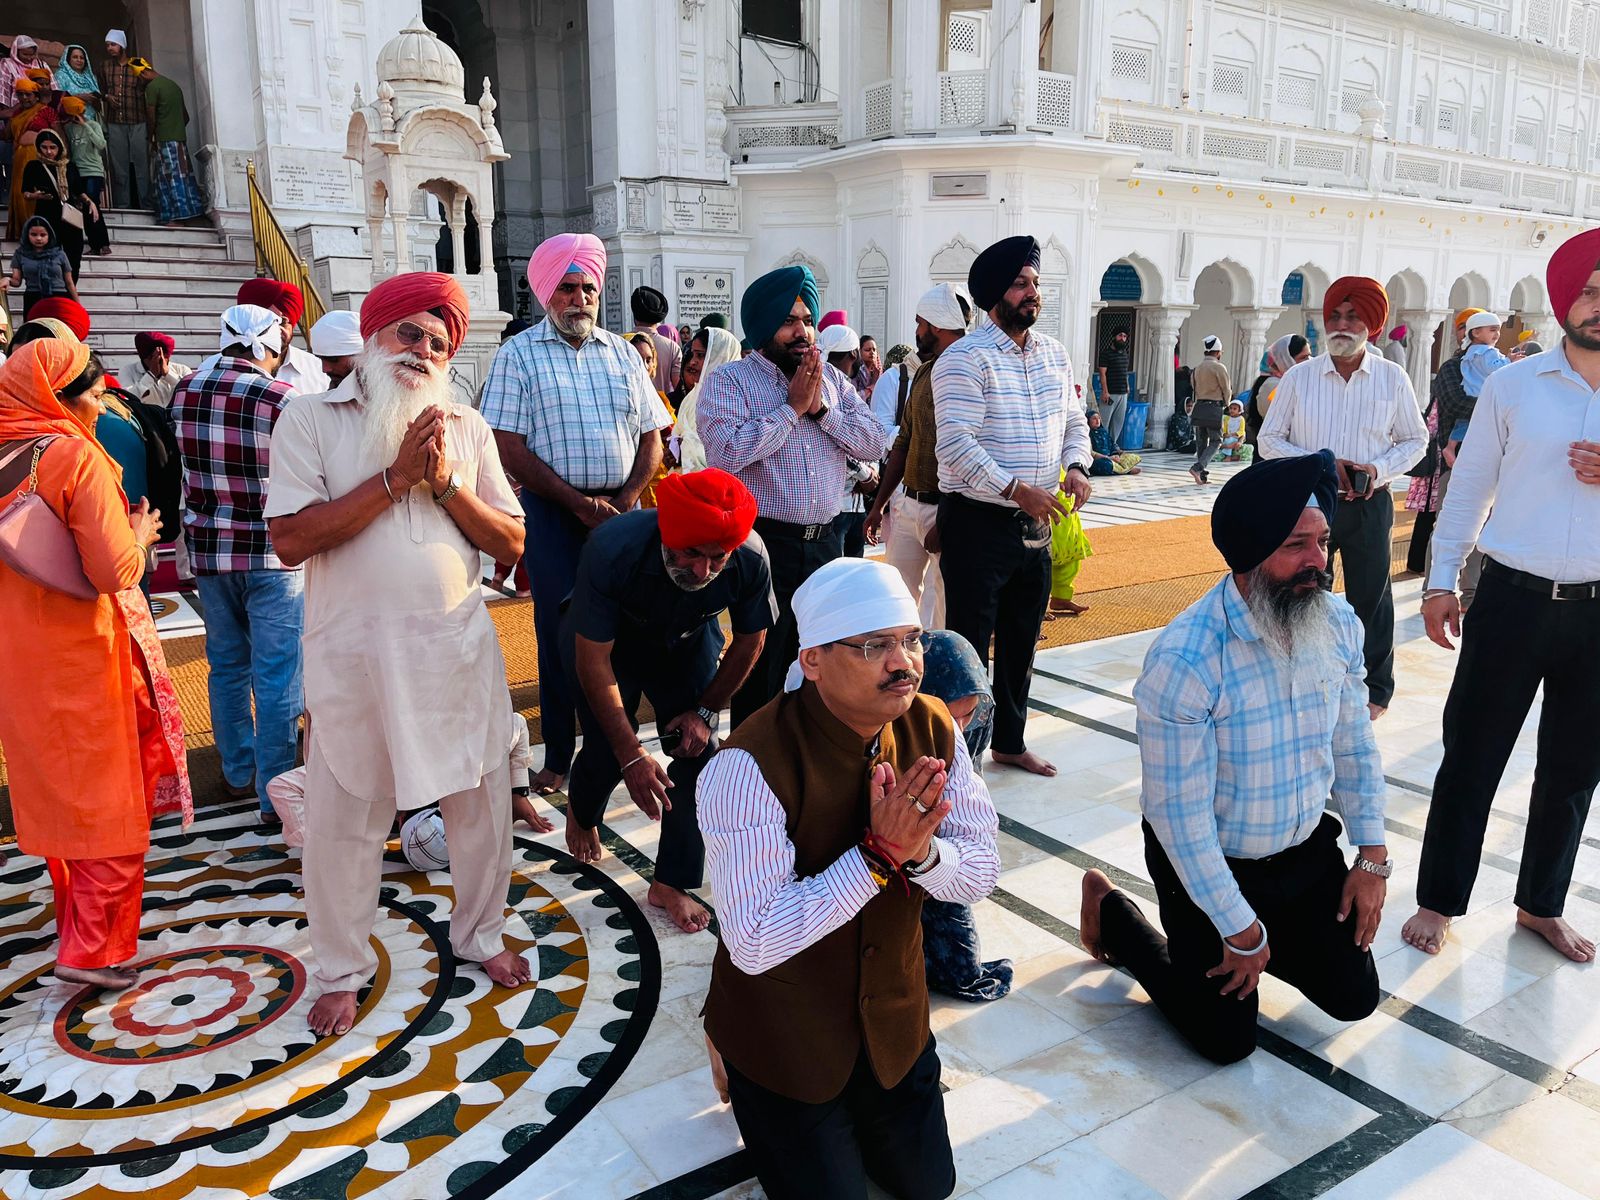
<point x="389" y="492"/>
<point x="1252" y="713"/>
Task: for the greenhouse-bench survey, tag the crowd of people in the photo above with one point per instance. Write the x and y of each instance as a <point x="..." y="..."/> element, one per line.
<point x="692" y="516"/>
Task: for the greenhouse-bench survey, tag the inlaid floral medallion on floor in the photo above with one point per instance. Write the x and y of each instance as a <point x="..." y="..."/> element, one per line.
<point x="202" y="1080"/>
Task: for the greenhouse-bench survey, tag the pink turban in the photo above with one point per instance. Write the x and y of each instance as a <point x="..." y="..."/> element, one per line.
<point x="558" y="255"/>
<point x="837" y="316"/>
<point x="1574" y="261"/>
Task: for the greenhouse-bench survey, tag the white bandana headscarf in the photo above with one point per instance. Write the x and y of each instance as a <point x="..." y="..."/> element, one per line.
<point x="838" y="339"/>
<point x="117" y="36"/>
<point x="337" y="334"/>
<point x="253" y="326"/>
<point x="941" y="308"/>
<point x="848" y="597"/>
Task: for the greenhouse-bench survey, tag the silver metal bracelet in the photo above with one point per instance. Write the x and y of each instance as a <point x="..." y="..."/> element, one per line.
<point x="1257" y="949"/>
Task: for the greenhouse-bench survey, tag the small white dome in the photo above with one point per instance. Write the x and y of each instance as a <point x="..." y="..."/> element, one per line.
<point x="416" y="60"/>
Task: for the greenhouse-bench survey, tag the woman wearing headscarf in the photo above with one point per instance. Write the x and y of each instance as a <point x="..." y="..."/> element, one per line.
<point x="24" y="56"/>
<point x="94" y="741"/>
<point x="53" y="184"/>
<point x="75" y="77"/>
<point x="721" y="347"/>
<point x="952" y="671"/>
<point x="33" y="113"/>
<point x="646" y="346"/>
<point x="1281" y="355"/>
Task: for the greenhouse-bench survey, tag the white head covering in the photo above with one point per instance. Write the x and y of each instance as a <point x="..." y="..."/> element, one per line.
<point x="337" y="334"/>
<point x="838" y="339"/>
<point x="849" y="596"/>
<point x="1482" y="320"/>
<point x="253" y="326"/>
<point x="23" y="42"/>
<point x="120" y="37"/>
<point x="1212" y="342"/>
<point x="941" y="307"/>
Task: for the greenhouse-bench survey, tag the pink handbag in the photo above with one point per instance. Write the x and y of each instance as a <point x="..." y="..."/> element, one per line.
<point x="33" y="541"/>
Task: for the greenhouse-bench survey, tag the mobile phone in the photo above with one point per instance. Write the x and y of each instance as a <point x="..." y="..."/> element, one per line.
<point x="670" y="739"/>
<point x="1360" y="482"/>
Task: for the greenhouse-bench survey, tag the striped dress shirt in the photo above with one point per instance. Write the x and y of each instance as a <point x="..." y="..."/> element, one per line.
<point x="1371" y="418"/>
<point x="1006" y="412"/>
<point x="794" y="466"/>
<point x="767" y="915"/>
<point x="581" y="411"/>
<point x="1241" y="750"/>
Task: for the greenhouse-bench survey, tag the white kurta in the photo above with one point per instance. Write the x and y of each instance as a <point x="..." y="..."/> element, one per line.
<point x="404" y="680"/>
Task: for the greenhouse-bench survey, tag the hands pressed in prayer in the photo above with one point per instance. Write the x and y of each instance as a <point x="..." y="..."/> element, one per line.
<point x="1243" y="971"/>
<point x="906" y="813"/>
<point x="696" y="735"/>
<point x="146" y="522"/>
<point x="805" y="388"/>
<point x="437" y="469"/>
<point x="410" y="466"/>
<point x="1440" y="613"/>
<point x="647" y="782"/>
<point x="1038" y="503"/>
<point x="1363" y="894"/>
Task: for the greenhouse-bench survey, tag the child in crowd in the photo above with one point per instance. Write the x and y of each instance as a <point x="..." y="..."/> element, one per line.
<point x="1481" y="360"/>
<point x="40" y="267"/>
<point x="1233" y="447"/>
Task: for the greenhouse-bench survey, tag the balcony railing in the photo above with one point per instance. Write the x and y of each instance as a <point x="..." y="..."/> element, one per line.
<point x="963" y="99"/>
<point x="758" y="133"/>
<point x="877" y="107"/>
<point x="1053" y="106"/>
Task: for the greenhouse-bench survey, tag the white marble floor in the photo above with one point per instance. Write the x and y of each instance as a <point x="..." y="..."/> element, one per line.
<point x="1480" y="1074"/>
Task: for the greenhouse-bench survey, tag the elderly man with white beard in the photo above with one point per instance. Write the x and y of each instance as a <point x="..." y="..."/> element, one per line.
<point x="1251" y="717"/>
<point x="388" y="492"/>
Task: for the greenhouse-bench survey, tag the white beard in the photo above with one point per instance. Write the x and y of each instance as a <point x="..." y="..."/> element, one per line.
<point x="1343" y="345"/>
<point x="1305" y="637"/>
<point x="392" y="396"/>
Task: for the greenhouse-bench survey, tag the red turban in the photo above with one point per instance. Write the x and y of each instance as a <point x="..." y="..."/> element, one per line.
<point x="68" y="311"/>
<point x="837" y="316"/>
<point x="1371" y="301"/>
<point x="143" y="343"/>
<point x="275" y="294"/>
<point x="704" y="508"/>
<point x="1574" y="261"/>
<point x="402" y="296"/>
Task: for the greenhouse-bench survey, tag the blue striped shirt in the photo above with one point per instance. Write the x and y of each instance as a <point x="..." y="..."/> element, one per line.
<point x="582" y="411"/>
<point x="1241" y="752"/>
<point x="1006" y="412"/>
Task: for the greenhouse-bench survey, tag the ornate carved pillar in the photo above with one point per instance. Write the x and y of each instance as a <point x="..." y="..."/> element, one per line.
<point x="1252" y="324"/>
<point x="1421" y="326"/>
<point x="1155" y="367"/>
<point x="457" y="216"/>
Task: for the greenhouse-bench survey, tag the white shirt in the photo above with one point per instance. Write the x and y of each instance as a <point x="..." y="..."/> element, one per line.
<point x="1372" y="418"/>
<point x="767" y="915"/>
<point x="156" y="391"/>
<point x="1512" y="493"/>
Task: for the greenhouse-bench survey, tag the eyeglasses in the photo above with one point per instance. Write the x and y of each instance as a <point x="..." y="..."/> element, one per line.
<point x="875" y="650"/>
<point x="409" y="335"/>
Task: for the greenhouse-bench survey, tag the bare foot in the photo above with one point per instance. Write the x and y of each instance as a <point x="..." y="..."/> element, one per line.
<point x="1374" y="711"/>
<point x="687" y="914"/>
<point x="1027" y="760"/>
<point x="583" y="844"/>
<point x="1426" y="931"/>
<point x="334" y="1013"/>
<point x="1555" y="931"/>
<point x="522" y="809"/>
<point x="1097" y="886"/>
<point x="1194" y="474"/>
<point x="508" y="968"/>
<point x="1133" y="470"/>
<point x="547" y="781"/>
<point x="1067" y="608"/>
<point x="108" y="979"/>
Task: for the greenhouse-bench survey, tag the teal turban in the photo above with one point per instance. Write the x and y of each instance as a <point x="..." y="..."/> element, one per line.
<point x="768" y="301"/>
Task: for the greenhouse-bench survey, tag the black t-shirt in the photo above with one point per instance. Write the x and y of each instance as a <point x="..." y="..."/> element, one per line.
<point x="1115" y="362"/>
<point x="623" y="593"/>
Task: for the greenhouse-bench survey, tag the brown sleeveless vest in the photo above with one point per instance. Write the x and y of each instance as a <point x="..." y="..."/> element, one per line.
<point x="799" y="1028"/>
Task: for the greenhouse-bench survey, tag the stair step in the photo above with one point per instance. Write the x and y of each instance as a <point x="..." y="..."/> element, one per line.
<point x="153" y="288"/>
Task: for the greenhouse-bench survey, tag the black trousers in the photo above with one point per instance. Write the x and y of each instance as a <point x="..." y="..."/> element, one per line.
<point x="1361" y="538"/>
<point x="1296" y="895"/>
<point x="794" y="560"/>
<point x="673" y="681"/>
<point x="895" y="1137"/>
<point x="995" y="587"/>
<point x="1556" y="643"/>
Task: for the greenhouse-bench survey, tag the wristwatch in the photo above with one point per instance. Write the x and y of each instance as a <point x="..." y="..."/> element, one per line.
<point x="1382" y="870"/>
<point x="449" y="493"/>
<point x="708" y="715"/>
<point x="927" y="864"/>
<point x="1079" y="467"/>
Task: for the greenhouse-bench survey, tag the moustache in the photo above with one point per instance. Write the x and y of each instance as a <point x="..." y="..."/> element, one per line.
<point x="898" y="678"/>
<point x="1322" y="579"/>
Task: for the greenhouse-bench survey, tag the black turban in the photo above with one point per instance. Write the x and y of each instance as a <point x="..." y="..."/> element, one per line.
<point x="1256" y="510"/>
<point x="996" y="269"/>
<point x="649" y="306"/>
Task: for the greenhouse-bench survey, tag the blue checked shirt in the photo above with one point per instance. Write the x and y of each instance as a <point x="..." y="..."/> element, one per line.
<point x="1240" y="757"/>
<point x="583" y="411"/>
<point x="1006" y="412"/>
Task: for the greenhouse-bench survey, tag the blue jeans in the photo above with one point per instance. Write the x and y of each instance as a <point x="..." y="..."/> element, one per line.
<point x="253" y="622"/>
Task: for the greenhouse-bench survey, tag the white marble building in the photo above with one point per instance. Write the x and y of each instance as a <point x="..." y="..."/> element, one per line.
<point x="1223" y="159"/>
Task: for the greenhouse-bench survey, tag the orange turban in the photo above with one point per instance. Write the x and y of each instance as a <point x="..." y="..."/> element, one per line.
<point x="402" y="296"/>
<point x="1574" y="261"/>
<point x="1462" y="317"/>
<point x="1368" y="296"/>
<point x="704" y="508"/>
<point x="275" y="294"/>
<point x="66" y="310"/>
<point x="73" y="106"/>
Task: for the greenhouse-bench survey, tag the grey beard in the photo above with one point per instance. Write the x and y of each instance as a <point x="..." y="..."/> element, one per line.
<point x="685" y="579"/>
<point x="1298" y="629"/>
<point x="1343" y="345"/>
<point x="389" y="405"/>
<point x="579" y="325"/>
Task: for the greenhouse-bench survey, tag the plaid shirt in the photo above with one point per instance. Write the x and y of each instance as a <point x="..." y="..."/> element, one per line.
<point x="1241" y="752"/>
<point x="582" y="411"/>
<point x="794" y="466"/>
<point x="1006" y="412"/>
<point x="123" y="92"/>
<point x="1449" y="394"/>
<point x="224" y="417"/>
